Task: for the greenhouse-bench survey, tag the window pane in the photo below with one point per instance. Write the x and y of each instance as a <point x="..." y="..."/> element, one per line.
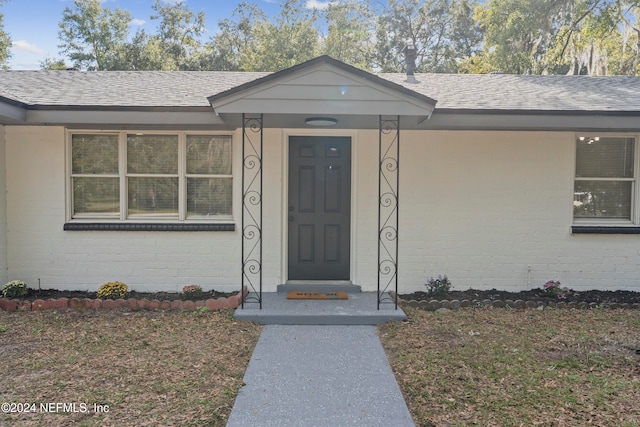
<point x="208" y="154"/>
<point x="602" y="199"/>
<point x="209" y="196"/>
<point x="600" y="157"/>
<point x="96" y="154"/>
<point x="152" y="154"/>
<point x="153" y="196"/>
<point x="96" y="196"/>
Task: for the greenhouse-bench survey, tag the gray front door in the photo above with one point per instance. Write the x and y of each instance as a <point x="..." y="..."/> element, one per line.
<point x="319" y="207"/>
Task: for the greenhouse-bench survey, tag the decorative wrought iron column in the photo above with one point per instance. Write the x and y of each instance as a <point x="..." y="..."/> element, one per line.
<point x="252" y="209"/>
<point x="388" y="199"/>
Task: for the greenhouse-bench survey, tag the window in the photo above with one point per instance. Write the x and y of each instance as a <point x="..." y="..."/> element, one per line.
<point x="605" y="178"/>
<point x="150" y="176"/>
<point x="95" y="175"/>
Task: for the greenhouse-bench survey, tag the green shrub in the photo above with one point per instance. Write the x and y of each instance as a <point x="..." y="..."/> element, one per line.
<point x="192" y="291"/>
<point x="438" y="286"/>
<point x="113" y="290"/>
<point x="14" y="289"/>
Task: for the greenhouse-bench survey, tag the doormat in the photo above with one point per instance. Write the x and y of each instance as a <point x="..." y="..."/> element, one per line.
<point x="317" y="295"/>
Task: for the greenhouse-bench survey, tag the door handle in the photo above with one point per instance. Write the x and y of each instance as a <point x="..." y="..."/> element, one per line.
<point x="291" y="218"/>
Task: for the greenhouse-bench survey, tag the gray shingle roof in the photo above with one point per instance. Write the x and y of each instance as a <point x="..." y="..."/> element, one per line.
<point x="518" y="92"/>
<point x="118" y="88"/>
<point x="191" y="89"/>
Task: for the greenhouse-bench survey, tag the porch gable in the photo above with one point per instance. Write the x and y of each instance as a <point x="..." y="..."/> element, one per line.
<point x="322" y="86"/>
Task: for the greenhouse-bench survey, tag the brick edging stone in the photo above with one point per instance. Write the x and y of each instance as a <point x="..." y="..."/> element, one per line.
<point x="132" y="304"/>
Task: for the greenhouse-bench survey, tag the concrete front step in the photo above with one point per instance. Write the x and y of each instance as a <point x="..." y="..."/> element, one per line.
<point x="359" y="309"/>
<point x="319" y="287"/>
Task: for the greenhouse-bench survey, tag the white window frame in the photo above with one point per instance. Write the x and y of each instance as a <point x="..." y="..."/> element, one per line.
<point x="123" y="176"/>
<point x="635" y="188"/>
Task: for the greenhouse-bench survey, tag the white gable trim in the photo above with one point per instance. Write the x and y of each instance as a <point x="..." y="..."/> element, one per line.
<point x="322" y="88"/>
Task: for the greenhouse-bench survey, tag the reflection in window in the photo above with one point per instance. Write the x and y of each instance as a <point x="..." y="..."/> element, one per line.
<point x="172" y="175"/>
<point x="604" y="181"/>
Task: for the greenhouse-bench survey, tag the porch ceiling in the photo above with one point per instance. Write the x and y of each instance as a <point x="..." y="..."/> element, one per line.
<point x="321" y="87"/>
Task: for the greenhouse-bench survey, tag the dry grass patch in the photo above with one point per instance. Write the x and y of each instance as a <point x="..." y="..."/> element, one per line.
<point x="150" y="368"/>
<point x="496" y="367"/>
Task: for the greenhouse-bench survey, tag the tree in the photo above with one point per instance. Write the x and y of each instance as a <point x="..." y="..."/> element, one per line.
<point x="92" y="37"/>
<point x="5" y="43"/>
<point x="603" y="39"/>
<point x="292" y="39"/>
<point x="518" y="33"/>
<point x="349" y="33"/>
<point x="442" y="32"/>
<point x="145" y="52"/>
<point x="178" y="34"/>
<point x="228" y="50"/>
<point x="253" y="43"/>
<point x="559" y="36"/>
<point x="50" y="63"/>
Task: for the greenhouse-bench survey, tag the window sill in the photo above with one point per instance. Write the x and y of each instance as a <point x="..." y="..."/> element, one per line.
<point x="147" y="226"/>
<point x="604" y="229"/>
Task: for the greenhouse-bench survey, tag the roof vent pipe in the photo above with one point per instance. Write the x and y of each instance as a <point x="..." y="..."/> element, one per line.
<point x="410" y="55"/>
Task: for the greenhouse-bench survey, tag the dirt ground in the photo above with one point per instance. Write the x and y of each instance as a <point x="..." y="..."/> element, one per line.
<point x="144" y="368"/>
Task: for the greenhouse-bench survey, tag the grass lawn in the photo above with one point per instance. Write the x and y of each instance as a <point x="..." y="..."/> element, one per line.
<point x="486" y="367"/>
<point x="148" y="368"/>
<point x="497" y="367"/>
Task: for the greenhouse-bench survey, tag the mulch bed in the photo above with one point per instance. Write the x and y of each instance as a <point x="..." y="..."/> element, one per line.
<point x="599" y="297"/>
<point x="524" y="299"/>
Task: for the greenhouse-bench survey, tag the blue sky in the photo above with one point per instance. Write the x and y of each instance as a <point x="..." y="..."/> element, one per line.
<point x="33" y="24"/>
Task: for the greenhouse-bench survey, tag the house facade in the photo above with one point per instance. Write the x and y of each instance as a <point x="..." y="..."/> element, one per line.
<point x="321" y="173"/>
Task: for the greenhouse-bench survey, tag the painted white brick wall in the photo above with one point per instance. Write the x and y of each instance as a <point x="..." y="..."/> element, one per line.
<point x="489" y="209"/>
<point x="3" y="211"/>
<point x="494" y="210"/>
<point x="365" y="207"/>
<point x="40" y="249"/>
<point x="273" y="210"/>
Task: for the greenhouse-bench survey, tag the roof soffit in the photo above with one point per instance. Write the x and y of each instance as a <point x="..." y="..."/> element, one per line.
<point x="322" y="86"/>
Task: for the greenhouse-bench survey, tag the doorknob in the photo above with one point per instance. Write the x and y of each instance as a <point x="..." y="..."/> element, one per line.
<point x="291" y="218"/>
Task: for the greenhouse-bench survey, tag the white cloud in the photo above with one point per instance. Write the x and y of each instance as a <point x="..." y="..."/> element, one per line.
<point x="25" y="46"/>
<point x="318" y="4"/>
<point x="24" y="65"/>
<point x="138" y="22"/>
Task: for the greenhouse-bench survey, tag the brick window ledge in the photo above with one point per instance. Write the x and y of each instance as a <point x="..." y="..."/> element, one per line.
<point x="140" y="226"/>
<point x="604" y="229"/>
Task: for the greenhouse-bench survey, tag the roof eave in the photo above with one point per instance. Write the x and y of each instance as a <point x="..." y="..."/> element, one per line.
<point x="12" y="112"/>
<point x="541" y="112"/>
<point x="528" y="120"/>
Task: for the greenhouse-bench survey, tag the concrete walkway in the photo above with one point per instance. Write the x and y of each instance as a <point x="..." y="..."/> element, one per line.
<point x="319" y="375"/>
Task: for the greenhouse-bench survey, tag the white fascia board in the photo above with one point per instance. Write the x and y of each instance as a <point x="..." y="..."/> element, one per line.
<point x="10" y="113"/>
<point x="317" y="107"/>
<point x="123" y="117"/>
<point x="534" y="122"/>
